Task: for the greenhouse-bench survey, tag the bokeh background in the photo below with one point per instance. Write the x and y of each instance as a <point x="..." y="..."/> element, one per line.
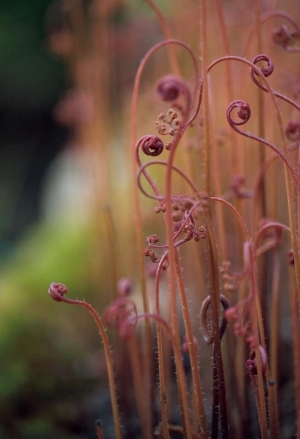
<point x="66" y="74"/>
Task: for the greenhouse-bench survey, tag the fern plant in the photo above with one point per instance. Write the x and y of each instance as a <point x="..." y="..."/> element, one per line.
<point x="219" y="273"/>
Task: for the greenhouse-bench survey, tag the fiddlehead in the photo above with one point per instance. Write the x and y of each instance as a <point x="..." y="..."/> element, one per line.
<point x="207" y="336"/>
<point x="151" y="146"/>
<point x="244" y="113"/>
<point x="170" y="87"/>
<point x="265" y="65"/>
<point x="251" y="363"/>
<point x="286" y="38"/>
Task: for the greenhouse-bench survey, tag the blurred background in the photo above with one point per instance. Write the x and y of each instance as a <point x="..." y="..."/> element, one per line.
<point x="66" y="71"/>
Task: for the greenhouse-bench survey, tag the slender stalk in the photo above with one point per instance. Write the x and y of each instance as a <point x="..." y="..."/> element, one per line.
<point x="296" y="352"/>
<point x="235" y="156"/>
<point x="139" y="388"/>
<point x="57" y="292"/>
<point x="204" y="72"/>
<point x="287" y="169"/>
<point x="258" y="333"/>
<point x="167" y="34"/>
<point x="200" y="413"/>
<point x="179" y="368"/>
<point x="215" y="305"/>
<point x="160" y="352"/>
<point x="99" y="430"/>
<point x="274" y="335"/>
<point x="172" y="257"/>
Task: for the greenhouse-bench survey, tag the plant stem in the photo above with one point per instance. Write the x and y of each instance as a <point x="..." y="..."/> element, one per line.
<point x="200" y="414"/>
<point x="109" y="361"/>
<point x="215" y="306"/>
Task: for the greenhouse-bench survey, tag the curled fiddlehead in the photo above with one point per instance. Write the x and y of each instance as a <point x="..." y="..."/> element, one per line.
<point x="243" y="111"/>
<point x="207" y="336"/>
<point x="151" y="146"/>
<point x="251" y="363"/>
<point x="174" y="89"/>
<point x="170" y="87"/>
<point x="267" y="69"/>
<point x="237" y="186"/>
<point x="286" y="38"/>
<point x="57" y="291"/>
<point x="265" y="65"/>
<point x="186" y="224"/>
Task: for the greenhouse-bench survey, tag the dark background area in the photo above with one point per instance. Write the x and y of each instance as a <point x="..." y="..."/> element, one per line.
<point x="53" y="378"/>
<point x="31" y="82"/>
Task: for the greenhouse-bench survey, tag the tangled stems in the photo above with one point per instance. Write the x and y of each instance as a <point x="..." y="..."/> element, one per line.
<point x="120" y="314"/>
<point x="253" y="334"/>
<point x="168" y="92"/>
<point x="57" y="291"/>
<point x="287" y="167"/>
<point x="138" y="221"/>
<point x="200" y="414"/>
<point x="179" y="367"/>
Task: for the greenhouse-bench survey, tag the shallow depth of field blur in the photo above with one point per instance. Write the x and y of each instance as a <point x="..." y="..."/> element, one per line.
<point x="66" y="76"/>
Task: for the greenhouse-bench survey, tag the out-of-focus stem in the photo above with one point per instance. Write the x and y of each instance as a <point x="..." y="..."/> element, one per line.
<point x="168" y="35"/>
<point x="274" y="347"/>
<point x="109" y="361"/>
<point x="204" y="73"/>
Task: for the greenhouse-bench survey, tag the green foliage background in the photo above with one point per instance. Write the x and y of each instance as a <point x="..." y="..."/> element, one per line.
<point x="46" y="381"/>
